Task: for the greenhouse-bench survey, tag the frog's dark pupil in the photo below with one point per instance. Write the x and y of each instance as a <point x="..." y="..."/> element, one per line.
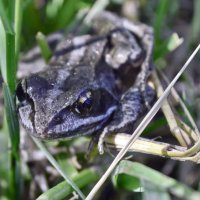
<point x="87" y="103"/>
<point x="84" y="102"/>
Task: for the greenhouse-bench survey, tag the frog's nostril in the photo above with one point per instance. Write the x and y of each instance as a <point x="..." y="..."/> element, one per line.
<point x="57" y="120"/>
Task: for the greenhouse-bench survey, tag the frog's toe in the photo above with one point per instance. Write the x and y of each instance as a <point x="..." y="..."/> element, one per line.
<point x="101" y="140"/>
<point x="149" y="96"/>
<point x="148" y="93"/>
<point x="92" y="144"/>
<point x="101" y="146"/>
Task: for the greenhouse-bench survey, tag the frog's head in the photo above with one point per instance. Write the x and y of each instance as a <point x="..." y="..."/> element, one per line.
<point x="57" y="104"/>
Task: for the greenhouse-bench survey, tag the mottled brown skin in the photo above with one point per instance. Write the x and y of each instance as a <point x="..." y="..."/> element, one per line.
<point x="93" y="83"/>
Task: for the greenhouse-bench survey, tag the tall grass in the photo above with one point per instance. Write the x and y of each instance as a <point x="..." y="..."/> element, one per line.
<point x="9" y="56"/>
<point x="57" y="15"/>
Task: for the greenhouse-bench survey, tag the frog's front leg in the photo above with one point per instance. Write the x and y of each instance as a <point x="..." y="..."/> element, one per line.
<point x="131" y="107"/>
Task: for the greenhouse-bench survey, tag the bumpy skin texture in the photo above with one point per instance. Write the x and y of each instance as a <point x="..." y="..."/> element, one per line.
<point x="94" y="82"/>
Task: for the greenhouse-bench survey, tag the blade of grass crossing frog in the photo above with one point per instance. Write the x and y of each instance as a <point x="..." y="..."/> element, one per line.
<point x="57" y="167"/>
<point x="141" y="126"/>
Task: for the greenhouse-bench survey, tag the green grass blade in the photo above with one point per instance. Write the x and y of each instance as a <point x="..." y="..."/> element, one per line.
<point x="158" y="179"/>
<point x="3" y="50"/>
<point x="154" y="192"/>
<point x="11" y="61"/>
<point x="173" y="42"/>
<point x="5" y="19"/>
<point x="14" y="154"/>
<point x="8" y="68"/>
<point x="63" y="189"/>
<point x="195" y="21"/>
<point x="8" y="59"/>
<point x="44" y="47"/>
<point x="161" y="13"/>
<point x="57" y="166"/>
<point x="12" y="121"/>
<point x="18" y="24"/>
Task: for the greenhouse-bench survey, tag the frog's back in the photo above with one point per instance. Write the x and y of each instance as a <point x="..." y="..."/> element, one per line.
<point x="82" y="89"/>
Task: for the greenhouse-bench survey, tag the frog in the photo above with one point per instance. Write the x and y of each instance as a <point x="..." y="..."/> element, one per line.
<point x="94" y="84"/>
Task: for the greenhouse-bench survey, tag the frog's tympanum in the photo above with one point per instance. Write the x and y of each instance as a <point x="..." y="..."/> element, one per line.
<point x="95" y="83"/>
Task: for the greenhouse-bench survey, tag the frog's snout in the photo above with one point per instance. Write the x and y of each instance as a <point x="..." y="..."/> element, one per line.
<point x="25" y="109"/>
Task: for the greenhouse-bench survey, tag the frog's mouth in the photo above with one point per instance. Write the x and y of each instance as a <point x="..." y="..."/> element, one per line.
<point x="70" y="128"/>
<point x="73" y="126"/>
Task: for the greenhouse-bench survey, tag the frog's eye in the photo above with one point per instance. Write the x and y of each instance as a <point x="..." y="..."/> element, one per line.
<point x="84" y="103"/>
